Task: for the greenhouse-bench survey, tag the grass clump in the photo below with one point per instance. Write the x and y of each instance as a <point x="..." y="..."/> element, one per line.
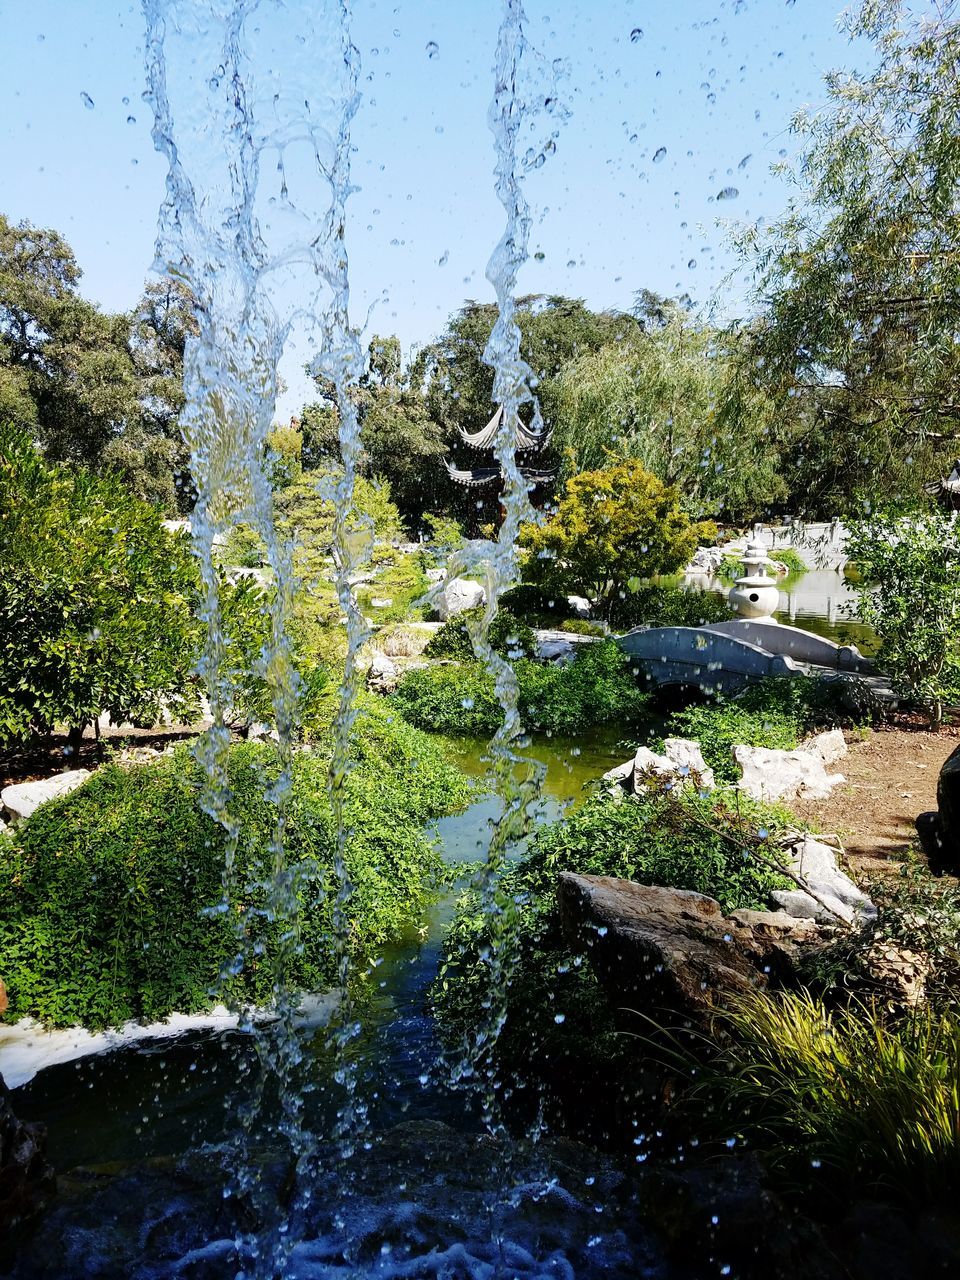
<point x="105" y="894"/>
<point x="840" y="1099"/>
<point x="598" y="686"/>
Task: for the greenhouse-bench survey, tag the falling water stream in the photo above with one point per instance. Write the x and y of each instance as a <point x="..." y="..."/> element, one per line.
<point x="253" y="102"/>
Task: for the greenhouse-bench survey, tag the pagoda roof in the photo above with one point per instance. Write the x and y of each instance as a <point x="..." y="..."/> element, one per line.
<point x="524" y="438"/>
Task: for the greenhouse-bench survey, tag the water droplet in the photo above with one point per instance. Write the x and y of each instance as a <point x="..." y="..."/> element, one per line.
<point x="659" y="154"/>
<point x="728" y="193"/>
<point x="131" y="119"/>
<point x="692" y="264"/>
<point x="745" y="161"/>
<point x="444" y="258"/>
<point x="636" y="34"/>
<point x="433" y="49"/>
<point x="559" y="1017"/>
<point x="86" y="100"/>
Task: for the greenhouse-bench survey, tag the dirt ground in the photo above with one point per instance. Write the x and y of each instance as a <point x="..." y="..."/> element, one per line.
<point x="891" y="777"/>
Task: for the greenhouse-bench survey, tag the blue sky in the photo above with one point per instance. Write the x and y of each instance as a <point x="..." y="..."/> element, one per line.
<point x="713" y="82"/>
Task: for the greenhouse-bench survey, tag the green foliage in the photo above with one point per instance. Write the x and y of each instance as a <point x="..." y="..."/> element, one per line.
<point x="840" y="1099"/>
<point x="777" y="713"/>
<point x="536" y="604"/>
<point x="583" y="627"/>
<point x="909" y="592"/>
<point x="399" y="577"/>
<point x="731" y="567"/>
<point x="660" y="605"/>
<point x="612" y="527"/>
<point x="719" y="844"/>
<point x="597" y="687"/>
<point x="443" y="531"/>
<point x="507" y="634"/>
<point x="104" y="894"/>
<point x="656" y="399"/>
<point x="101" y="390"/>
<point x="96" y="600"/>
<point x="860" y="280"/>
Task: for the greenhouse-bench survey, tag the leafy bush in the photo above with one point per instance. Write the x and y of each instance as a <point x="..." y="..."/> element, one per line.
<point x="612" y="526"/>
<point x="535" y="603"/>
<point x="731" y="566"/>
<point x="583" y="627"/>
<point x="714" y="844"/>
<point x="659" y="605"/>
<point x="909" y="592"/>
<point x="400" y="578"/>
<point x="508" y="636"/>
<point x="597" y="687"/>
<point x="840" y="1099"/>
<point x="104" y="893"/>
<point x="776" y="712"/>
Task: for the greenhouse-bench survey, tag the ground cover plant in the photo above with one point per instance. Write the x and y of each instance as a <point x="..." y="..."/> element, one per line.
<point x="508" y="635"/>
<point x="720" y="844"/>
<point x="105" y="894"/>
<point x="597" y="687"/>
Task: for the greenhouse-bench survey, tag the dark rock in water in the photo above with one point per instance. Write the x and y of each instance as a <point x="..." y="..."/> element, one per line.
<point x="673" y="951"/>
<point x="939" y="830"/>
<point x="26" y="1180"/>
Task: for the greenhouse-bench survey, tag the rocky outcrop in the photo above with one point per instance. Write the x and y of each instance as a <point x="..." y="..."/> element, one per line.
<point x="675" y="952"/>
<point x="458" y="596"/>
<point x="939" y="829"/>
<point x="26" y="1179"/>
<point x="23" y="798"/>
<point x="767" y="774"/>
<point x="832" y="894"/>
<point x="682" y="761"/>
<point x="382" y="675"/>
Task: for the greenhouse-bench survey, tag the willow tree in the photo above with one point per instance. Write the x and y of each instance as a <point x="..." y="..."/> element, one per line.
<point x="665" y="400"/>
<point x="859" y="282"/>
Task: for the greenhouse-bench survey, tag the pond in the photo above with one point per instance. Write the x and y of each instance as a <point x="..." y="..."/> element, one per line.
<point x="176" y="1097"/>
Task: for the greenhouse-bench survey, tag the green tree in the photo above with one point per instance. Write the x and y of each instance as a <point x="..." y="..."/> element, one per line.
<point x="612" y="528"/>
<point x="909" y="592"/>
<point x="95" y="600"/>
<point x="658" y="399"/>
<point x="101" y="390"/>
<point x="860" y="280"/>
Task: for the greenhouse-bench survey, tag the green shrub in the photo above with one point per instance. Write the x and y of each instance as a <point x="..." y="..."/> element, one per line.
<point x="583" y="627"/>
<point x="715" y="844"/>
<point x="840" y="1099"/>
<point x="104" y="894"/>
<point x="536" y="604"/>
<point x="597" y="687"/>
<point x="401" y="579"/>
<point x="660" y="605"/>
<point x="776" y="713"/>
<point x="508" y="636"/>
<point x="731" y="566"/>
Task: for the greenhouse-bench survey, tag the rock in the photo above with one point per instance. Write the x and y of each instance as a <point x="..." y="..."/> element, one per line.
<point x="26" y="1179"/>
<point x="383" y="675"/>
<point x="580" y="605"/>
<point x="459" y="595"/>
<point x="832" y="896"/>
<point x="706" y="560"/>
<point x="436" y="575"/>
<point x="687" y="756"/>
<point x="897" y="975"/>
<point x="621" y="774"/>
<point x="551" y="649"/>
<point x="257" y="732"/>
<point x="380" y="602"/>
<point x="671" y="950"/>
<point x="768" y="774"/>
<point x="830" y="746"/>
<point x="939" y="829"/>
<point x="23" y="798"/>
<point x="647" y="762"/>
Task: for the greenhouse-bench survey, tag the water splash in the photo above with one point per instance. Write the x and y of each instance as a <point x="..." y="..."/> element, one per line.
<point x="234" y="84"/>
<point x="524" y="93"/>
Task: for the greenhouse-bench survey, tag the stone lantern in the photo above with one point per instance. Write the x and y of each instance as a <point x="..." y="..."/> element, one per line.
<point x="755" y="595"/>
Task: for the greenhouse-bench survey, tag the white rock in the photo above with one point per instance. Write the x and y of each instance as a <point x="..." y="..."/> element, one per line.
<point x="621" y="773"/>
<point x="830" y="746"/>
<point x="833" y="895"/>
<point x="436" y="575"/>
<point x="688" y="758"/>
<point x="553" y="650"/>
<point x="647" y="761"/>
<point x="459" y="595"/>
<point x="777" y="775"/>
<point x="580" y="605"/>
<point x="383" y="675"/>
<point x="378" y="602"/>
<point x="23" y="798"/>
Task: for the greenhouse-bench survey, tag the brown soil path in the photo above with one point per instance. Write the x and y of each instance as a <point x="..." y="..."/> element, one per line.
<point x="890" y="778"/>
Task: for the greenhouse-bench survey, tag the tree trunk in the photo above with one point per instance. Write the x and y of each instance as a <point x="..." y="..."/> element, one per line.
<point x="75" y="739"/>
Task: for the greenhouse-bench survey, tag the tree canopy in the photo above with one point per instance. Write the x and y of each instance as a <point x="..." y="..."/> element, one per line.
<point x="859" y="282"/>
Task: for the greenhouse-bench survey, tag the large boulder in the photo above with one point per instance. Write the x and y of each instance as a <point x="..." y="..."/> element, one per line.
<point x="26" y="1179"/>
<point x="459" y="596"/>
<point x="382" y="675"/>
<point x="675" y="952"/>
<point x="939" y="829"/>
<point x="767" y="774"/>
<point x="832" y="894"/>
<point x="681" y="762"/>
<point x="23" y="798"/>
